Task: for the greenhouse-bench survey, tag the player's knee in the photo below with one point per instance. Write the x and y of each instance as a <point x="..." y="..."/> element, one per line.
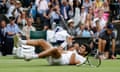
<point x="41" y="40"/>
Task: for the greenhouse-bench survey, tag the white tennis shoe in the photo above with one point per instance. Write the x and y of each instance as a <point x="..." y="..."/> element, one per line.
<point x="28" y="57"/>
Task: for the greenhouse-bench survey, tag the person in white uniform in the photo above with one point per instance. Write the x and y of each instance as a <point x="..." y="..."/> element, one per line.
<point x="57" y="56"/>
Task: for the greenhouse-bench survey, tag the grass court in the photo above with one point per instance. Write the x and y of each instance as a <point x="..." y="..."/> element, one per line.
<point x="10" y="64"/>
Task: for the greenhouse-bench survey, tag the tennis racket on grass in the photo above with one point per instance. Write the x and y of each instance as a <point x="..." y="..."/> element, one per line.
<point x="92" y="60"/>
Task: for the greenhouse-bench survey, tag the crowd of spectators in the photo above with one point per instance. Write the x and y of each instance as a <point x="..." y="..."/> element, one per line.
<point x="79" y="18"/>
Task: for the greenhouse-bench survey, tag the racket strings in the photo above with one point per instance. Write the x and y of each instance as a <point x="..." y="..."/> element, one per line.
<point x="94" y="61"/>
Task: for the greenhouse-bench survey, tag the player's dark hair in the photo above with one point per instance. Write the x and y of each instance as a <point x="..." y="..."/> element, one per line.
<point x="88" y="50"/>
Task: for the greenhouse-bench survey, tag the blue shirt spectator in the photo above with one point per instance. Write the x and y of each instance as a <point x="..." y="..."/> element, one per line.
<point x="33" y="11"/>
<point x="54" y="15"/>
<point x="64" y="10"/>
<point x="12" y="28"/>
<point x="86" y="33"/>
<point x="48" y="1"/>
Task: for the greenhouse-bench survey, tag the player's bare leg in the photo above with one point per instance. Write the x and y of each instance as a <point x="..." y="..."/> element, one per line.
<point x="54" y="52"/>
<point x="40" y="42"/>
<point x="101" y="47"/>
<point x="48" y="50"/>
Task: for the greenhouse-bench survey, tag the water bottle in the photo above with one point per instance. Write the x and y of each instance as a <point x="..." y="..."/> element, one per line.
<point x="23" y="22"/>
<point x="53" y="25"/>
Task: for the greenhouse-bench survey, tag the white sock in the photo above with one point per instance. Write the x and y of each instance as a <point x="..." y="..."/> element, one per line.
<point x="35" y="56"/>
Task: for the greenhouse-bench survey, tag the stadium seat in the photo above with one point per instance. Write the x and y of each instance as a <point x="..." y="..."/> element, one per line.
<point x="38" y="35"/>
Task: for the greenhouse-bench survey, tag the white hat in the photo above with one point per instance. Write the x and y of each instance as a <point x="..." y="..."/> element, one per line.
<point x="17" y="1"/>
<point x="96" y="19"/>
<point x="69" y="21"/>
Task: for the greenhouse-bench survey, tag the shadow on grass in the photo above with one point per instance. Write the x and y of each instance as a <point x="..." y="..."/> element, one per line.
<point x="45" y="65"/>
<point x="118" y="58"/>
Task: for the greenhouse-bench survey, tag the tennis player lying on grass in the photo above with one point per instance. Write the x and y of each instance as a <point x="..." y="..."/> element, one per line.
<point x="58" y="55"/>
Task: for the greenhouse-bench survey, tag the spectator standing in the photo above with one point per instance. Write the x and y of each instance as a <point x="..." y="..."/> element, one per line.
<point x="76" y="11"/>
<point x="3" y="37"/>
<point x="3" y="7"/>
<point x="42" y="7"/>
<point x="47" y="17"/>
<point x="12" y="29"/>
<point x="55" y="16"/>
<point x="64" y="10"/>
